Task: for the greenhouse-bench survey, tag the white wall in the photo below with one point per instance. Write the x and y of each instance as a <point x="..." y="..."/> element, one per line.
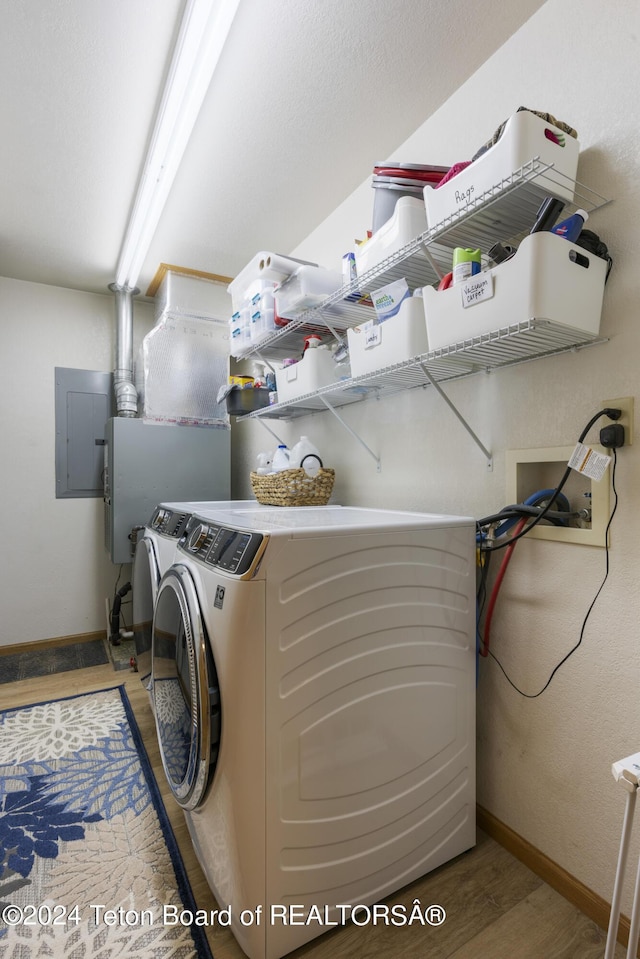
<point x="544" y="764"/>
<point x="54" y="572"/>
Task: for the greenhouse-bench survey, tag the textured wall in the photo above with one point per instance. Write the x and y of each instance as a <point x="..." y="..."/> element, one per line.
<point x="544" y="764"/>
<point x="56" y="573"/>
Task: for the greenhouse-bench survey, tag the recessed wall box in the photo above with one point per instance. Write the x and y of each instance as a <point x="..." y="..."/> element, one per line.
<point x="528" y="471"/>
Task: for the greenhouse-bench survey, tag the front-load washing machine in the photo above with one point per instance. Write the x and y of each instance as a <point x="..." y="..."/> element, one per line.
<point x="154" y="554"/>
<point x="314" y="687"/>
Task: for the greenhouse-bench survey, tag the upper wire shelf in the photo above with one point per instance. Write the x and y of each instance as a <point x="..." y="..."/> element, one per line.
<point x="504" y="212"/>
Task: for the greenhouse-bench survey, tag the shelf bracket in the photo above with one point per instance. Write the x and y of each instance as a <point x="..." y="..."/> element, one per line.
<point x="459" y="415"/>
<point x="261" y="420"/>
<point x="434" y="266"/>
<point x="352" y="432"/>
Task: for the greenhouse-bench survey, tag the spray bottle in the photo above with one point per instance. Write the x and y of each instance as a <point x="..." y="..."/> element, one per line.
<point x="571" y="227"/>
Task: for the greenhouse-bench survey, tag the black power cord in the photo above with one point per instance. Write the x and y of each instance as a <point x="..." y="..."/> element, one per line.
<point x="593" y="601"/>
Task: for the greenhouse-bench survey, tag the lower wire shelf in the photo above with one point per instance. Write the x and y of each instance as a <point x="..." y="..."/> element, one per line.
<point x="508" y="346"/>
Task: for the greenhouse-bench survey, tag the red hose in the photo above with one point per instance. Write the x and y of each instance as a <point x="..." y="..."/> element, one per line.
<point x="484" y="649"/>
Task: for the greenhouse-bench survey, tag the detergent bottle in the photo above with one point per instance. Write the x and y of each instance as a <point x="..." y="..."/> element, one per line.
<point x="280" y="459"/>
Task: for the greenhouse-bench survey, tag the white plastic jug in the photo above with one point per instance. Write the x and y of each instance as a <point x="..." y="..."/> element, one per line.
<point x="306" y="455"/>
<point x="280" y="459"/>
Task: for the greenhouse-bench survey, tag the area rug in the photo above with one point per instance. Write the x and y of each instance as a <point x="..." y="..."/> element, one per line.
<point x="89" y="865"/>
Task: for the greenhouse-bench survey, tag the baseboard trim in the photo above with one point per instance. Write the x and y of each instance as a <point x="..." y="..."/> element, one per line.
<point x="586" y="900"/>
<point x="49" y="643"/>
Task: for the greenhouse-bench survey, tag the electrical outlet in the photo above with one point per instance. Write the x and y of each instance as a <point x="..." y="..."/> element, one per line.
<point x="625" y="404"/>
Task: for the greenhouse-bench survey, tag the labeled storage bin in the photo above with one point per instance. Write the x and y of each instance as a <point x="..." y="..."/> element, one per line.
<point x="548" y="278"/>
<point x="305" y="289"/>
<point x="373" y="346"/>
<point x="525" y="136"/>
<point x="315" y="370"/>
<point x="293" y="488"/>
<point x="408" y="221"/>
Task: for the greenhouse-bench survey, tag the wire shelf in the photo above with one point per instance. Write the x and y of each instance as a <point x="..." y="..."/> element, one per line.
<point x="503" y="213"/>
<point x="503" y="347"/>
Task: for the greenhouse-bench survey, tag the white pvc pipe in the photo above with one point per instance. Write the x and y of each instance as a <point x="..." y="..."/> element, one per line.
<point x="634" y="931"/>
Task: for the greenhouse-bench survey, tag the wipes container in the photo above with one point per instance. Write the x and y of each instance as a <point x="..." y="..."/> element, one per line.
<point x="548" y="278"/>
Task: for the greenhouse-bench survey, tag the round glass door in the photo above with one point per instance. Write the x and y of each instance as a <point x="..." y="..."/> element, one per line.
<point x="185" y="689"/>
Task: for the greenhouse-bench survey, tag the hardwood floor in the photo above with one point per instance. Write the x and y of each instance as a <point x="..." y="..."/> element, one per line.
<point x="496" y="907"/>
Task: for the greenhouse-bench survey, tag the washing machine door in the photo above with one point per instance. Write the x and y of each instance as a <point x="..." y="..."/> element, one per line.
<point x="144" y="580"/>
<point x="185" y="689"/>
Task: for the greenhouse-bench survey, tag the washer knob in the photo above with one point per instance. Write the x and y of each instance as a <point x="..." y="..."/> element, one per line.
<point x="197" y="537"/>
<point x="161" y="516"/>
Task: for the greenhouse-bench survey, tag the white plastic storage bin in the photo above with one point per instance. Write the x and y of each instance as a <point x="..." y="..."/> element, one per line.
<point x="316" y="369"/>
<point x="408" y="221"/>
<point x="305" y="289"/>
<point x="524" y="137"/>
<point x="373" y="346"/>
<point x="548" y="278"/>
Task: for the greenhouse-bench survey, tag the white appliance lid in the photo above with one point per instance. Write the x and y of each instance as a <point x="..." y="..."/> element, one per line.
<point x="310" y="519"/>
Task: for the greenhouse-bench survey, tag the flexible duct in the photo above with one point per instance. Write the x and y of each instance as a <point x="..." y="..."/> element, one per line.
<point x="123" y="387"/>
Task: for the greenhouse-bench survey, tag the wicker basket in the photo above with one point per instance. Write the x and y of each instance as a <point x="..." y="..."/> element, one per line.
<point x="293" y="488"/>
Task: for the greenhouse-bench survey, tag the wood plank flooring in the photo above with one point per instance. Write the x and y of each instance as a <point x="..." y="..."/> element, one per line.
<point x="496" y="907"/>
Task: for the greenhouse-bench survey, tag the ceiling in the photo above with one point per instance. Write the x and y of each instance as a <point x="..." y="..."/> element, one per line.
<point x="307" y="96"/>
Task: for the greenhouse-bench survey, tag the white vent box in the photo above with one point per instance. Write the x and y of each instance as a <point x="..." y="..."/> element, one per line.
<point x="409" y="220"/>
<point x="525" y="137"/>
<point x="374" y="346"/>
<point x="548" y="278"/>
<point x="316" y="369"/>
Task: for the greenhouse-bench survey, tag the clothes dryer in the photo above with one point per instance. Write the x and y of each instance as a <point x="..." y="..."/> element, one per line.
<point x="314" y="688"/>
<point x="154" y="554"/>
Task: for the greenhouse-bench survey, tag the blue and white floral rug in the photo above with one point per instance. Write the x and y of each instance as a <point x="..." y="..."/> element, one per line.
<point x="89" y="865"/>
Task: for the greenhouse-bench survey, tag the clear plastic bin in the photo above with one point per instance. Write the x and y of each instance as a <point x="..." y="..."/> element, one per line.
<point x="306" y="289"/>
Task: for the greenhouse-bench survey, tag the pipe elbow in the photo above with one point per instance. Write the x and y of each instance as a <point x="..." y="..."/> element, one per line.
<point x="126" y="397"/>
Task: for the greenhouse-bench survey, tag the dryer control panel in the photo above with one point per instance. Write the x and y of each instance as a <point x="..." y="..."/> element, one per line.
<point x="231" y="550"/>
<point x="168" y="522"/>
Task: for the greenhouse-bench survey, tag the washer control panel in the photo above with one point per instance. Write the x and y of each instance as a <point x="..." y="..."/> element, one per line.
<point x="168" y="522"/>
<point x="232" y="550"/>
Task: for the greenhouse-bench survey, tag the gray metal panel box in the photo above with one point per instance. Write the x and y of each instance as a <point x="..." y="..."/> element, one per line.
<point x="83" y="404"/>
<point x="151" y="463"/>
